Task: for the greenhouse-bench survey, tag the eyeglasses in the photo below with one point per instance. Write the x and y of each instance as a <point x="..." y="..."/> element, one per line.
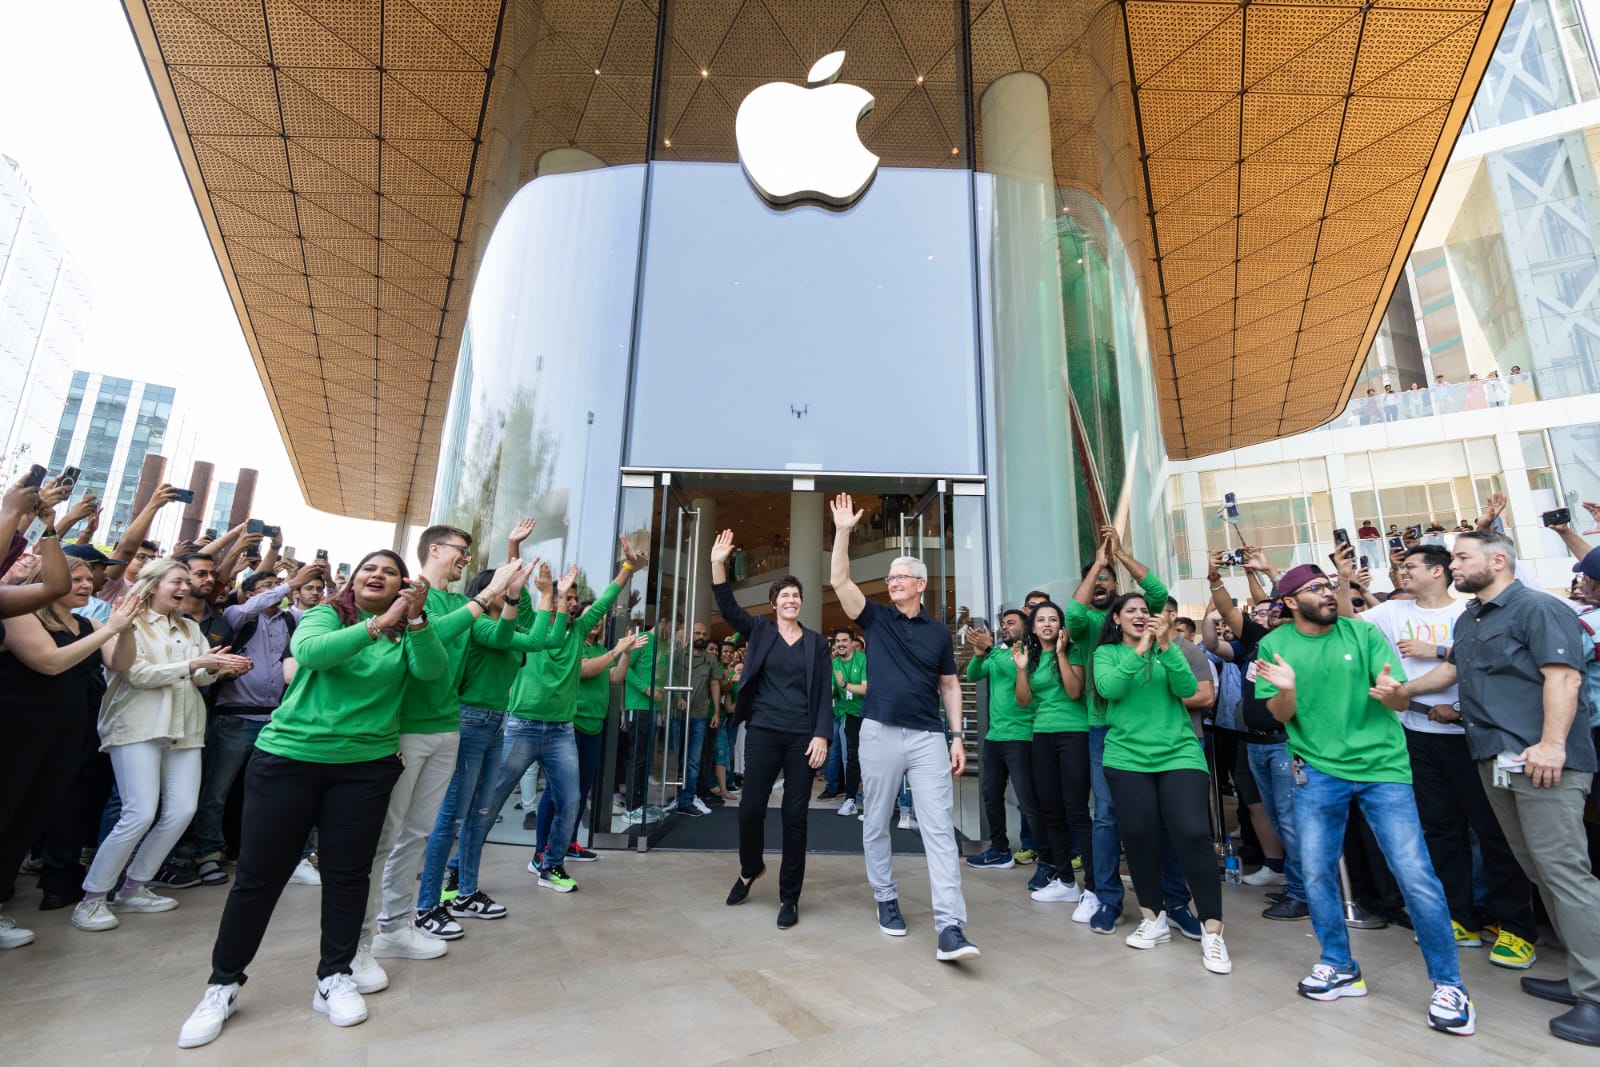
<point x="463" y="549"/>
<point x="143" y="557"/>
<point x="1317" y="588"/>
<point x="891" y="579"/>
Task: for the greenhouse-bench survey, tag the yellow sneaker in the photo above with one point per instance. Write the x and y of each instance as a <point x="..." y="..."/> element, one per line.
<point x="1490" y="932"/>
<point x="1512" y="951"/>
<point x="1466" y="938"/>
<point x="1025" y="855"/>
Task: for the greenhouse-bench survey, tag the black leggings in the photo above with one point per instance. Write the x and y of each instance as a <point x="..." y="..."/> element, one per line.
<point x="1006" y="761"/>
<point x="852" y="752"/>
<point x="283" y="800"/>
<point x="767" y="753"/>
<point x="1180" y="800"/>
<point x="1061" y="782"/>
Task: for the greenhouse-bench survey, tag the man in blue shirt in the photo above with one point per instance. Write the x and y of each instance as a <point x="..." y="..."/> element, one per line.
<point x="910" y="674"/>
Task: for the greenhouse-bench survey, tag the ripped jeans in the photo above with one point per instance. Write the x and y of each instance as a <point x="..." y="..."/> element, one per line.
<point x="477" y="767"/>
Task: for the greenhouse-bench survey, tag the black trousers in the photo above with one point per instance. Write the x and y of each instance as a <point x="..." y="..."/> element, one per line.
<point x="283" y="800"/>
<point x="1451" y="800"/>
<point x="1181" y="801"/>
<point x="641" y="741"/>
<point x="852" y="752"/>
<point x="75" y="823"/>
<point x="766" y="754"/>
<point x="41" y="751"/>
<point x="1061" y="783"/>
<point x="1003" y="762"/>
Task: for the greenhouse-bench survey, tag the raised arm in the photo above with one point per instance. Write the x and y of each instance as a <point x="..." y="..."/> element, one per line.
<point x="845" y="517"/>
<point x="56" y="579"/>
<point x="1229" y="612"/>
<point x="728" y="606"/>
<point x="139" y="530"/>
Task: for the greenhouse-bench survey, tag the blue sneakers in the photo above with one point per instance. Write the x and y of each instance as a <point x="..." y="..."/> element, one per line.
<point x="1182" y="919"/>
<point x="954" y="946"/>
<point x="992" y="860"/>
<point x="1105" y="920"/>
<point x="1043" y="875"/>
<point x="890" y="921"/>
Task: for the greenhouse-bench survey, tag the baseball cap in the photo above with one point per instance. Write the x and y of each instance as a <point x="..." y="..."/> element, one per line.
<point x="1297" y="577"/>
<point x="1589" y="565"/>
<point x="87" y="553"/>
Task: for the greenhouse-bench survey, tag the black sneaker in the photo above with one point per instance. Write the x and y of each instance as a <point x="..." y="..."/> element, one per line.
<point x="176" y="875"/>
<point x="440" y="923"/>
<point x="954" y="946"/>
<point x="788" y="914"/>
<point x="1288" y="910"/>
<point x="890" y="921"/>
<point x="711" y="800"/>
<point x="479" y="905"/>
<point x="831" y="794"/>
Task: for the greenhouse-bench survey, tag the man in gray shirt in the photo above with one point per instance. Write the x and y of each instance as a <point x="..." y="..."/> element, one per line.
<point x="1519" y="658"/>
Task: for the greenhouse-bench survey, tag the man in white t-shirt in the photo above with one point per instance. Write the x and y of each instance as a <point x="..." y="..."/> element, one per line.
<point x="1449" y="792"/>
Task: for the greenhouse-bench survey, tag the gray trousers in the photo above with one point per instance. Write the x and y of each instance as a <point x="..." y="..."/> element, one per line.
<point x="887" y="752"/>
<point x="1544" y="828"/>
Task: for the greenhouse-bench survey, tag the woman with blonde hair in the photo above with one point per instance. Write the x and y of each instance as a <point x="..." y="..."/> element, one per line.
<point x="152" y="725"/>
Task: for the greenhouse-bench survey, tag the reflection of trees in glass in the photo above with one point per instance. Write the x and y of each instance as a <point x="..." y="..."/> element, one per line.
<point x="508" y="466"/>
<point x="1092" y="371"/>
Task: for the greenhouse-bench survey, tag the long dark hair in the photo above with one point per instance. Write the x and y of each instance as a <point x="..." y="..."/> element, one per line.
<point x="1110" y="634"/>
<point x="343" y="602"/>
<point x="1035" y="646"/>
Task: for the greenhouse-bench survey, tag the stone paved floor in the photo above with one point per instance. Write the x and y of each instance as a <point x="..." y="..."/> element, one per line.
<point x="646" y="965"/>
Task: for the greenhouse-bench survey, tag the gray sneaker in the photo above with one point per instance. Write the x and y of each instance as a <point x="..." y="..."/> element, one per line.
<point x="954" y="946"/>
<point x="890" y="921"/>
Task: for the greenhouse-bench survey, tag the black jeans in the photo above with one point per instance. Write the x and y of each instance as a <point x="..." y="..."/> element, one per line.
<point x="1180" y="800"/>
<point x="75" y="823"/>
<point x="641" y="742"/>
<point x="766" y="754"/>
<point x="1061" y="783"/>
<point x="283" y="800"/>
<point x="1450" y="800"/>
<point x="852" y="752"/>
<point x="1005" y="761"/>
<point x="41" y="752"/>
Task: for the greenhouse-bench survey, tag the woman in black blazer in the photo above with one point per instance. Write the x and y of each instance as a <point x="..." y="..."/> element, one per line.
<point x="786" y="703"/>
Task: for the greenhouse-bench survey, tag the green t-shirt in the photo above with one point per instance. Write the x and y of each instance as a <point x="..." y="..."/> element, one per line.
<point x="1337" y="728"/>
<point x="487" y="673"/>
<point x="1007" y="720"/>
<point x="594" y="695"/>
<point x="1150" y="730"/>
<point x="1085" y="623"/>
<point x="344" y="703"/>
<point x="546" y="688"/>
<point x="1054" y="712"/>
<point x="433" y="706"/>
<point x="636" y="685"/>
<point x="854" y="670"/>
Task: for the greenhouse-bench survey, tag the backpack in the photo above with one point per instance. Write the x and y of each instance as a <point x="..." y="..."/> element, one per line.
<point x="248" y="630"/>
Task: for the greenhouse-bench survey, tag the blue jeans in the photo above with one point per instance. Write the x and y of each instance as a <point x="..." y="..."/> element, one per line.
<point x="589" y="750"/>
<point x="230" y="739"/>
<point x="691" y="776"/>
<point x="477" y="763"/>
<point x="1274" y="771"/>
<point x="1322" y="810"/>
<point x="553" y="745"/>
<point x="1106" y="840"/>
<point x="834" y="770"/>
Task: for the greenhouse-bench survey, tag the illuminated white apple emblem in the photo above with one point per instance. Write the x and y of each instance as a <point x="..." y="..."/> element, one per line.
<point x="801" y="144"/>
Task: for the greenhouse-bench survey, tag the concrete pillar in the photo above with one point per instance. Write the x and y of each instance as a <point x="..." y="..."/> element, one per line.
<point x="150" y="475"/>
<point x="700" y="564"/>
<point x="244" y="498"/>
<point x="194" y="512"/>
<point x="805" y="553"/>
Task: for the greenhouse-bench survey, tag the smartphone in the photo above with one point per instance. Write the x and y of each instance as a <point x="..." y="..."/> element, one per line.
<point x="288" y="552"/>
<point x="1414" y="532"/>
<point x="1364" y="563"/>
<point x="273" y="532"/>
<point x="255" y="526"/>
<point x="1230" y="504"/>
<point x="1233" y="558"/>
<point x="35" y="477"/>
<point x="183" y="496"/>
<point x="1558" y="517"/>
<point x="1395" y="542"/>
<point x="322" y="554"/>
<point x="212" y="534"/>
<point x="1341" y="536"/>
<point x="71" y="475"/>
<point x="344" y="572"/>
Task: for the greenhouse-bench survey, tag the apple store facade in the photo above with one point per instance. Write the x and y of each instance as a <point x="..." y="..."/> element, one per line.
<point x="654" y="349"/>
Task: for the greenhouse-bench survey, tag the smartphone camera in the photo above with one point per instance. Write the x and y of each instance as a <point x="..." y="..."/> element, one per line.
<point x="1558" y="517"/>
<point x="273" y="532"/>
<point x="35" y="477"/>
<point x="183" y="496"/>
<point x="255" y="526"/>
<point x="1341" y="536"/>
<point x="1414" y="532"/>
<point x="1395" y="542"/>
<point x="1230" y="504"/>
<point x="322" y="554"/>
<point x="1233" y="558"/>
<point x="70" y="475"/>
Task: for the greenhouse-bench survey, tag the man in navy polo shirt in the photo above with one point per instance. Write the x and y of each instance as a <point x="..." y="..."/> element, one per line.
<point x="910" y="674"/>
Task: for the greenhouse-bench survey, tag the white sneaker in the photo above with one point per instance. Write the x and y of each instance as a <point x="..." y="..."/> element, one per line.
<point x="12" y="935"/>
<point x="701" y="806"/>
<point x="406" y="943"/>
<point x="144" y="899"/>
<point x="1058" y="892"/>
<point x="1152" y="932"/>
<point x="861" y="816"/>
<point x="1214" y="954"/>
<point x="907" y="822"/>
<point x="94" y="915"/>
<point x="1263" y="876"/>
<point x="305" y="873"/>
<point x="848" y="807"/>
<point x="337" y="998"/>
<point x="369" y="973"/>
<point x="205" y="1022"/>
<point x="1088" y="904"/>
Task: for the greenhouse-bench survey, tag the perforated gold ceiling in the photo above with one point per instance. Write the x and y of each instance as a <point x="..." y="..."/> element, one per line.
<point x="350" y="157"/>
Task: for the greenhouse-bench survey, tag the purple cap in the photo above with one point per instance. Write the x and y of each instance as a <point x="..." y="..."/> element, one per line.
<point x="1296" y="577"/>
<point x="1589" y="566"/>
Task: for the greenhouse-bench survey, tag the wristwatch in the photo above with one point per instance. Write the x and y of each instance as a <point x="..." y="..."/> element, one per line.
<point x="1456" y="707"/>
<point x="1440" y="652"/>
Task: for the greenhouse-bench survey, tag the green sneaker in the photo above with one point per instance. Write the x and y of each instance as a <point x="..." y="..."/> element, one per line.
<point x="1077" y="863"/>
<point x="452" y="885"/>
<point x="1513" y="952"/>
<point x="557" y="878"/>
<point x="1025" y="855"/>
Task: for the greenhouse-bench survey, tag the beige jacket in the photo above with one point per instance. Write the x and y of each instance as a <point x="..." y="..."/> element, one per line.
<point x="157" y="699"/>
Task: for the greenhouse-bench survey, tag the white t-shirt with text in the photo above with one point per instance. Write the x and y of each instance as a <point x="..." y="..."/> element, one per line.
<point x="1406" y="620"/>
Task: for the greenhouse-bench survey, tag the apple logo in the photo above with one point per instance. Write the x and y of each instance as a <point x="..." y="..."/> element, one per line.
<point x="801" y="144"/>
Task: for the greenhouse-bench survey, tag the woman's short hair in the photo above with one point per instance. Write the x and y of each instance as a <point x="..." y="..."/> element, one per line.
<point x="786" y="582"/>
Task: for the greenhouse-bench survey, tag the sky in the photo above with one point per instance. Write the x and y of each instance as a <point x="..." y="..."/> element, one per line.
<point x="80" y="116"/>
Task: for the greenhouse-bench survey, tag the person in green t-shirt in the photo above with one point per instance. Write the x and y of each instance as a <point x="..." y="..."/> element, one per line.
<point x="1008" y="745"/>
<point x="849" y="687"/>
<point x="1156" y="770"/>
<point x="724" y="723"/>
<point x="1322" y="677"/>
<point x="328" y="759"/>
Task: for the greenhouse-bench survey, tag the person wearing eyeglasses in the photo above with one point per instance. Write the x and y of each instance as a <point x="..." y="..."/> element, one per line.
<point x="1318" y="677"/>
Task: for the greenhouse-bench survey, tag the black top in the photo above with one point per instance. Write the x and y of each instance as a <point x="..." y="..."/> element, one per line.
<point x="1499" y="648"/>
<point x="1257" y="719"/>
<point x="779" y="700"/>
<point x="910" y="653"/>
<point x="762" y="633"/>
<point x="73" y="690"/>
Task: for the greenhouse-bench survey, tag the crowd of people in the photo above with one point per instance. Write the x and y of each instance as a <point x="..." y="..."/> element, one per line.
<point x="377" y="724"/>
<point x="1441" y="397"/>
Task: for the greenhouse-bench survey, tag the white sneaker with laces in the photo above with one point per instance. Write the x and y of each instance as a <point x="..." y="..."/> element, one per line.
<point x="1058" y="892"/>
<point x="1151" y="932"/>
<point x="906" y="821"/>
<point x="701" y="806"/>
<point x="144" y="899"/>
<point x="407" y="943"/>
<point x="848" y="808"/>
<point x="1264" y="876"/>
<point x="369" y="973"/>
<point x="337" y="998"/>
<point x="205" y="1022"/>
<point x="305" y="873"/>
<point x="1214" y="953"/>
<point x="12" y="935"/>
<point x="1088" y="904"/>
<point x="94" y="915"/>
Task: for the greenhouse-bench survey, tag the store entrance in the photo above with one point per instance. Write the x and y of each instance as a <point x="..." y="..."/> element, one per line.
<point x="670" y="742"/>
